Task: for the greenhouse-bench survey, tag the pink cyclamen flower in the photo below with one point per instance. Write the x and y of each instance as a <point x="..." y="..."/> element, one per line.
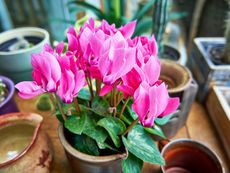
<point x="151" y="102"/>
<point x="29" y="89"/>
<point x="72" y="79"/>
<point x="117" y="58"/>
<point x="46" y="74"/>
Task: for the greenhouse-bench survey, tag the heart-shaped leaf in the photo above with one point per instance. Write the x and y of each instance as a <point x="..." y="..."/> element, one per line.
<point x="76" y="123"/>
<point x="164" y="120"/>
<point x="100" y="106"/>
<point x="114" y="127"/>
<point x="92" y="130"/>
<point x="142" y="146"/>
<point x="85" y="144"/>
<point x="156" y="130"/>
<point x="132" y="164"/>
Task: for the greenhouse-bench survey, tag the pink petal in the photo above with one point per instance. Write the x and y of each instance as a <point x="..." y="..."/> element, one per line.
<point x="152" y="70"/>
<point x="105" y="90"/>
<point x="60" y="48"/>
<point x="141" y="103"/>
<point x="173" y="104"/>
<point x="79" y="82"/>
<point x="128" y="29"/>
<point x="28" y="89"/>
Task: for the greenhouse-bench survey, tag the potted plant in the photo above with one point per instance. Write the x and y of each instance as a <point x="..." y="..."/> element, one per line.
<point x="16" y="46"/>
<point x="110" y="123"/>
<point x="7" y="102"/>
<point x="209" y="62"/>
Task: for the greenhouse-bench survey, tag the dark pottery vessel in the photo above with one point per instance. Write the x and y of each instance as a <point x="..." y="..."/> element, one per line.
<point x="84" y="163"/>
<point x="206" y="66"/>
<point x="24" y="147"/>
<point x="187" y="156"/>
<point x="8" y="105"/>
<point x="180" y="84"/>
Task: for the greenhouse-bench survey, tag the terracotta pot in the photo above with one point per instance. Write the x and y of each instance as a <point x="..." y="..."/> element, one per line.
<point x="180" y="84"/>
<point x="84" y="163"/>
<point x="24" y="148"/>
<point x="186" y="156"/>
<point x="8" y="105"/>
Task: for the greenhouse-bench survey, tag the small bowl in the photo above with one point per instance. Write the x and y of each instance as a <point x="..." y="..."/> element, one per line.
<point x="23" y="147"/>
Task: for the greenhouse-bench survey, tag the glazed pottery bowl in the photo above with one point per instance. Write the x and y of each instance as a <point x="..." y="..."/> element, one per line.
<point x="24" y="148"/>
<point x="15" y="61"/>
<point x="84" y="163"/>
<point x="8" y="105"/>
<point x="188" y="156"/>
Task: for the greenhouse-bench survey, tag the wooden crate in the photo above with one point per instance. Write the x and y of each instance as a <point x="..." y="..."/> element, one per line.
<point x="205" y="72"/>
<point x="218" y="106"/>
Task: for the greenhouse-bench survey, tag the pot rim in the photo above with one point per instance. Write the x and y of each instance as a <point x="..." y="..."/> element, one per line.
<point x="14" y="117"/>
<point x="85" y="157"/>
<point x="10" y="86"/>
<point x="25" y="31"/>
<point x="182" y="68"/>
<point x="199" y="145"/>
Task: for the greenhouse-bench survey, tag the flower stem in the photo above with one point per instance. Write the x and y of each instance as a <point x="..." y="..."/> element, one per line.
<point x="123" y="107"/>
<point x="59" y="106"/>
<point x="98" y="86"/>
<point x="77" y="107"/>
<point x="130" y="126"/>
<point x="90" y="87"/>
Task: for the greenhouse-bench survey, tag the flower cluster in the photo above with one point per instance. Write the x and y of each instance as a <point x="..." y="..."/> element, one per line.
<point x="109" y="56"/>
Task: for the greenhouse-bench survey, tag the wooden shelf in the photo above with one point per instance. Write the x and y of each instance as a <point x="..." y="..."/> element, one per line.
<point x="199" y="127"/>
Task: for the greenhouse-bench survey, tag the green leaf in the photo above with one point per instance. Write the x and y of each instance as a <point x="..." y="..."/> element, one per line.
<point x="88" y="6"/>
<point x="84" y="94"/>
<point x="92" y="130"/>
<point x="156" y="130"/>
<point x="144" y="25"/>
<point x="85" y="144"/>
<point x="103" y="145"/>
<point x="100" y="106"/>
<point x="142" y="146"/>
<point x="76" y="123"/>
<point x="140" y="13"/>
<point x="130" y="110"/>
<point x="114" y="127"/>
<point x="132" y="164"/>
<point x="165" y="119"/>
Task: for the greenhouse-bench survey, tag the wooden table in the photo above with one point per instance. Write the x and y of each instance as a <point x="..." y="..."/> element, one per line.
<point x="199" y="127"/>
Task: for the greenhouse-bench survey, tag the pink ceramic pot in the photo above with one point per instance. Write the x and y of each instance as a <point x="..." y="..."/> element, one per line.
<point x="24" y="148"/>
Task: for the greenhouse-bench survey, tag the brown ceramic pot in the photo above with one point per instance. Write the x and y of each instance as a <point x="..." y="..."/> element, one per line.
<point x="180" y="84"/>
<point x="84" y="163"/>
<point x="24" y="148"/>
<point x="187" y="156"/>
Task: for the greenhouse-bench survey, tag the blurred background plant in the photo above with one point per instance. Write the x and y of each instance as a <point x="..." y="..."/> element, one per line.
<point x="3" y="91"/>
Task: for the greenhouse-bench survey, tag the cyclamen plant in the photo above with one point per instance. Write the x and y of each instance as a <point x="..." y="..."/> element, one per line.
<point x="124" y="102"/>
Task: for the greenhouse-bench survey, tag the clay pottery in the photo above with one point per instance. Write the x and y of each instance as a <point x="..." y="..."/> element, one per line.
<point x="16" y="47"/>
<point x="8" y="105"/>
<point x="180" y="84"/>
<point x="84" y="163"/>
<point x="189" y="156"/>
<point x="24" y="148"/>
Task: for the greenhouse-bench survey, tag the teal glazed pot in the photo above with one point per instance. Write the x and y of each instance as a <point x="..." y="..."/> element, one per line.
<point x="84" y="163"/>
<point x="16" y="47"/>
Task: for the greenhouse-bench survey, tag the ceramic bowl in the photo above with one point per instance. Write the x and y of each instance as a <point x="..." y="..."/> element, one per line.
<point x="24" y="147"/>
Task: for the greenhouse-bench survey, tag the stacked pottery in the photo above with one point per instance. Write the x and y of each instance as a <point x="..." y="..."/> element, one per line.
<point x="180" y="84"/>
